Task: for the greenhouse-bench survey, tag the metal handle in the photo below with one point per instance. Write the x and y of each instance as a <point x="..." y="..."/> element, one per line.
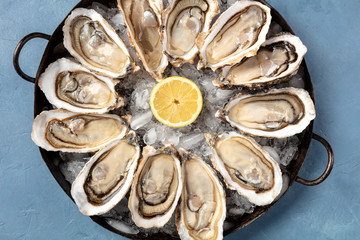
<point x="18" y="50"/>
<point x="328" y="167"/>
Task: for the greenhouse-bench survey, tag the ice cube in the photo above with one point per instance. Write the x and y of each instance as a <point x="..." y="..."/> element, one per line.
<point x="71" y="169"/>
<point x="122" y="226"/>
<point x="140" y="120"/>
<point x="223" y="95"/>
<point x="150" y="137"/>
<point x="118" y="21"/>
<point x="141" y="98"/>
<point x="297" y="81"/>
<point x="192" y="140"/>
<point x="287" y="155"/>
<point x="171" y="137"/>
<point x="272" y="153"/>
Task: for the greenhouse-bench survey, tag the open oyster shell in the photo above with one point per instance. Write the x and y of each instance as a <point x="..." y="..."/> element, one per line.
<point x="278" y="113"/>
<point x="94" y="43"/>
<point x="202" y="210"/>
<point x="68" y="85"/>
<point x="246" y="167"/>
<point x="156" y="188"/>
<point x="107" y="176"/>
<point x="143" y="22"/>
<point x="183" y="21"/>
<point x="237" y="33"/>
<point x="277" y="59"/>
<point x="60" y="130"/>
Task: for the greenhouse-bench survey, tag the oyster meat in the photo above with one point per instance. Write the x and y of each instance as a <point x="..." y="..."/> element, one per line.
<point x="246" y="167"/>
<point x="237" y="33"/>
<point x="156" y="188"/>
<point x="278" y="113"/>
<point x="277" y="59"/>
<point x="143" y="21"/>
<point x="60" y="130"/>
<point x="107" y="176"/>
<point x="202" y="209"/>
<point x="68" y="85"/>
<point x="183" y="21"/>
<point x="94" y="43"/>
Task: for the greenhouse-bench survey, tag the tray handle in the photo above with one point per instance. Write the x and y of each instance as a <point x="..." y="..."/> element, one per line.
<point x="328" y="167"/>
<point x="18" y="49"/>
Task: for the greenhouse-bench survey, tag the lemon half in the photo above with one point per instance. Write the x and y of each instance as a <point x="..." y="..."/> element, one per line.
<point x="176" y="101"/>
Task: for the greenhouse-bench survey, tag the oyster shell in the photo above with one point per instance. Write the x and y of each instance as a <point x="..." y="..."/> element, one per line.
<point x="237" y="33"/>
<point x="156" y="188"/>
<point x="143" y="21"/>
<point x="183" y="21"/>
<point x="107" y="176"/>
<point x="70" y="86"/>
<point x="60" y="130"/>
<point x="278" y="113"/>
<point x="202" y="209"/>
<point x="94" y="43"/>
<point x="277" y="59"/>
<point x="246" y="167"/>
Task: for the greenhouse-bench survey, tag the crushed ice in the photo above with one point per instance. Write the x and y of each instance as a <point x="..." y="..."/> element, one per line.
<point x="136" y="89"/>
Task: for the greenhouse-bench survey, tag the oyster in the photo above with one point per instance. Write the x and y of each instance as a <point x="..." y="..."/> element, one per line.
<point x="156" y="188"/>
<point x="277" y="59"/>
<point x="246" y="167"/>
<point x="107" y="176"/>
<point x="237" y="33"/>
<point x="183" y="21"/>
<point x="278" y="113"/>
<point x="143" y="21"/>
<point x="202" y="209"/>
<point x="95" y="44"/>
<point x="60" y="130"/>
<point x="70" y="86"/>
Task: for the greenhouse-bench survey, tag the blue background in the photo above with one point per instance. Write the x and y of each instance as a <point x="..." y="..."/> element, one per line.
<point x="33" y="206"/>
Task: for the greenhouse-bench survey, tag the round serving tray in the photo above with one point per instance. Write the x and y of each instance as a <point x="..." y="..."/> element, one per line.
<point x="56" y="50"/>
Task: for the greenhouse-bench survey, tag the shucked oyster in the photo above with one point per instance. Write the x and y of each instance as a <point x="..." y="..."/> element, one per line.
<point x="95" y="44"/>
<point x="60" y="130"/>
<point x="277" y="59"/>
<point x="277" y="113"/>
<point x="70" y="86"/>
<point x="246" y="167"/>
<point x="183" y="21"/>
<point x="156" y="188"/>
<point x="143" y="21"/>
<point x="237" y="33"/>
<point x="203" y="209"/>
<point x="107" y="176"/>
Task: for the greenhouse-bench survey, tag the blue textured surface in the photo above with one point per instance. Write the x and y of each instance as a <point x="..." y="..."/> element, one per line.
<point x="33" y="206"/>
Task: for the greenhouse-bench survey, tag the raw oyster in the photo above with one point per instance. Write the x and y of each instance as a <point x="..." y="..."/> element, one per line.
<point x="143" y="21"/>
<point x="107" y="176"/>
<point x="202" y="209"/>
<point x="237" y="33"/>
<point x="246" y="167"/>
<point x="156" y="188"/>
<point x="70" y="86"/>
<point x="278" y="113"/>
<point x="277" y="59"/>
<point x="183" y="21"/>
<point x="60" y="130"/>
<point x="95" y="44"/>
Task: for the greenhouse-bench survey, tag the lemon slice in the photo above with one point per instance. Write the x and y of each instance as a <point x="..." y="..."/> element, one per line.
<point x="176" y="101"/>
